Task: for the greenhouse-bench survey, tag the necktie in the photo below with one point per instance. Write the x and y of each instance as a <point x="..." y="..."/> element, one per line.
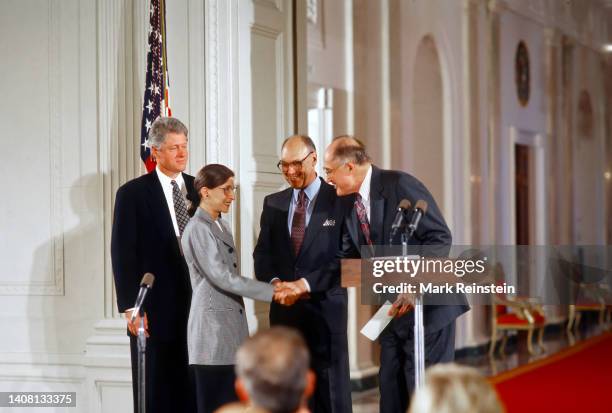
<point x="298" y="225"/>
<point x="180" y="209"/>
<point x="363" y="218"/>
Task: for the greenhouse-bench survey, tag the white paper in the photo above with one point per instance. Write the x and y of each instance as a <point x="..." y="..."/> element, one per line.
<point x="377" y="324"/>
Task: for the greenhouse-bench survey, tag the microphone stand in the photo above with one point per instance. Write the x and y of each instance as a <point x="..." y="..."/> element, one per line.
<point x="142" y="349"/>
<point x="419" y="328"/>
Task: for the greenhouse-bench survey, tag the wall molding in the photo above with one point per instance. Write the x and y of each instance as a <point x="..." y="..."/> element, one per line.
<point x="583" y="21"/>
<point x="53" y="285"/>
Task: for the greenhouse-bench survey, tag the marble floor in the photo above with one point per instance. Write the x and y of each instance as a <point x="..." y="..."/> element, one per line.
<point x="516" y="355"/>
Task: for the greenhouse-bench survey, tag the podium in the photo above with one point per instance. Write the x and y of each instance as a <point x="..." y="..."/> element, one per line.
<point x="351" y="277"/>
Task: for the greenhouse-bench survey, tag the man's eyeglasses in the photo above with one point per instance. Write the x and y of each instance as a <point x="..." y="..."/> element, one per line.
<point x="329" y="171"/>
<point x="296" y="165"/>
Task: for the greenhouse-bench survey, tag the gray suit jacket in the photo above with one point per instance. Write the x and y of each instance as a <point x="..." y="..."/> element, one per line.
<point x="217" y="321"/>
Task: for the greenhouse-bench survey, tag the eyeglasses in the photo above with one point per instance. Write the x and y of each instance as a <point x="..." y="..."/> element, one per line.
<point x="297" y="165"/>
<point x="329" y="171"/>
<point x="228" y="189"/>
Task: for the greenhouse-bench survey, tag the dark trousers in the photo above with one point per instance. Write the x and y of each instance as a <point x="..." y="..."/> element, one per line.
<point x="214" y="386"/>
<point x="168" y="384"/>
<point x="397" y="364"/>
<point x="333" y="386"/>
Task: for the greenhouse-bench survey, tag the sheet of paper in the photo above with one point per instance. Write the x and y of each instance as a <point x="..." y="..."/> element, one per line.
<point x="377" y="324"/>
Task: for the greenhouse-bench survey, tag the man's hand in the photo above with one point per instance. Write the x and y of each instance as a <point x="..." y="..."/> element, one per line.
<point x="285" y="296"/>
<point x="133" y="327"/>
<point x="287" y="293"/>
<point x="402" y="305"/>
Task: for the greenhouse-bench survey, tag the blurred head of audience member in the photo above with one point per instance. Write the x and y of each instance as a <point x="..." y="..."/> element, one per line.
<point x="273" y="374"/>
<point x="451" y="388"/>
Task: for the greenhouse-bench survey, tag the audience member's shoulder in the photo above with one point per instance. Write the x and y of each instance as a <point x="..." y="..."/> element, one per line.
<point x="239" y="408"/>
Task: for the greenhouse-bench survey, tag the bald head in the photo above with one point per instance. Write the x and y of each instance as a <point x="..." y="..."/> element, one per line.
<point x="347" y="148"/>
<point x="299" y="140"/>
<point x="298" y="161"/>
<point x="346" y="164"/>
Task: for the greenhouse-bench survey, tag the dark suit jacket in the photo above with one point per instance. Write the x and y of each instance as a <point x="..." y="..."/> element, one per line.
<point x="325" y="312"/>
<point x="143" y="240"/>
<point x="387" y="189"/>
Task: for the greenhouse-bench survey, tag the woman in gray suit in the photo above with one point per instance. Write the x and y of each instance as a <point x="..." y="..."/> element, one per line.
<point x="217" y="322"/>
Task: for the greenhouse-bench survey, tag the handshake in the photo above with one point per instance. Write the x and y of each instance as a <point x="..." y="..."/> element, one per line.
<point x="287" y="293"/>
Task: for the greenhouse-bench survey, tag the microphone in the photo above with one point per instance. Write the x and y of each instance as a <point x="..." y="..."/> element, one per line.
<point x="400" y="217"/>
<point x="145" y="285"/>
<point x="419" y="210"/>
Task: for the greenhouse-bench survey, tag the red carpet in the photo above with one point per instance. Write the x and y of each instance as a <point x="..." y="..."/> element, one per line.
<point x="577" y="379"/>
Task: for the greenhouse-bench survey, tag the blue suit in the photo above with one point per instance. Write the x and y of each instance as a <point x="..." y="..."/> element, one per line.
<point x="387" y="189"/>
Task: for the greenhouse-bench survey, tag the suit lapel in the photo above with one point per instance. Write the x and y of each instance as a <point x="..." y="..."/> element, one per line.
<point x="284" y="217"/>
<point x="352" y="223"/>
<point x="319" y="214"/>
<point x="377" y="207"/>
<point x="224" y="235"/>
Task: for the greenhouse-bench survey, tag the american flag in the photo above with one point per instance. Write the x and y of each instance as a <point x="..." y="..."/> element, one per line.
<point x="155" y="102"/>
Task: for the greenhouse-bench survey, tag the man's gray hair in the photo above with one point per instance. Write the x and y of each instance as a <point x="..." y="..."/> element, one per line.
<point x="273" y="365"/>
<point x="161" y="127"/>
<point x="350" y="149"/>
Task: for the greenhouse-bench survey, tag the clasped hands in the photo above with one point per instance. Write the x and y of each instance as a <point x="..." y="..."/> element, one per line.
<point x="288" y="292"/>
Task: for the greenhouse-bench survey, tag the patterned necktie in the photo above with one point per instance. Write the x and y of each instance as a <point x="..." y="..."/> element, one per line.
<point x="180" y="209"/>
<point x="363" y="218"/>
<point x="298" y="225"/>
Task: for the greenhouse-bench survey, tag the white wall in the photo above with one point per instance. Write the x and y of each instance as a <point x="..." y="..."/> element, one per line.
<point x="51" y="242"/>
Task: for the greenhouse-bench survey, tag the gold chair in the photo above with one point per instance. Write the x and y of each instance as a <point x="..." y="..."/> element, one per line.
<point x="592" y="298"/>
<point x="526" y="315"/>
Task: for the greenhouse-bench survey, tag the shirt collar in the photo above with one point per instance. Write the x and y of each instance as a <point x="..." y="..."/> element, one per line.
<point x="166" y="181"/>
<point x="364" y="190"/>
<point x="311" y="190"/>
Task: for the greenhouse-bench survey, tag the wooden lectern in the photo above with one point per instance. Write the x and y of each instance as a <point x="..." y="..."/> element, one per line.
<point x="351" y="272"/>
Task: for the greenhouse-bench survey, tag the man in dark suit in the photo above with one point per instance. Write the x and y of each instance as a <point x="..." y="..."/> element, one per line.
<point x="376" y="194"/>
<point x="150" y="215"/>
<point x="300" y="236"/>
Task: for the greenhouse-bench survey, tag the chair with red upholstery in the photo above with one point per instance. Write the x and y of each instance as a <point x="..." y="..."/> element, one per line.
<point x="515" y="314"/>
<point x="591" y="298"/>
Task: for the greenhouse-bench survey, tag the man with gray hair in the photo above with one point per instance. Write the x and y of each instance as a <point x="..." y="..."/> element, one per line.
<point x="273" y="374"/>
<point x="149" y="218"/>
<point x="375" y="194"/>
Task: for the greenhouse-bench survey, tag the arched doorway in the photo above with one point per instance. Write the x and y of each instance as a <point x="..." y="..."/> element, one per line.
<point x="428" y="120"/>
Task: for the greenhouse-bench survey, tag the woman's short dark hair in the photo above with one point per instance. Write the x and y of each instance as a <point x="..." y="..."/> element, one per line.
<point x="210" y="176"/>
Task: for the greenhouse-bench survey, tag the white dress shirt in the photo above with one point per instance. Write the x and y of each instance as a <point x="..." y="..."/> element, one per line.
<point x="166" y="183"/>
<point x="364" y="191"/>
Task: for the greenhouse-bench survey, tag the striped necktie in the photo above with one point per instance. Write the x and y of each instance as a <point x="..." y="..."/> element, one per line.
<point x="298" y="224"/>
<point x="363" y="218"/>
<point x="180" y="208"/>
